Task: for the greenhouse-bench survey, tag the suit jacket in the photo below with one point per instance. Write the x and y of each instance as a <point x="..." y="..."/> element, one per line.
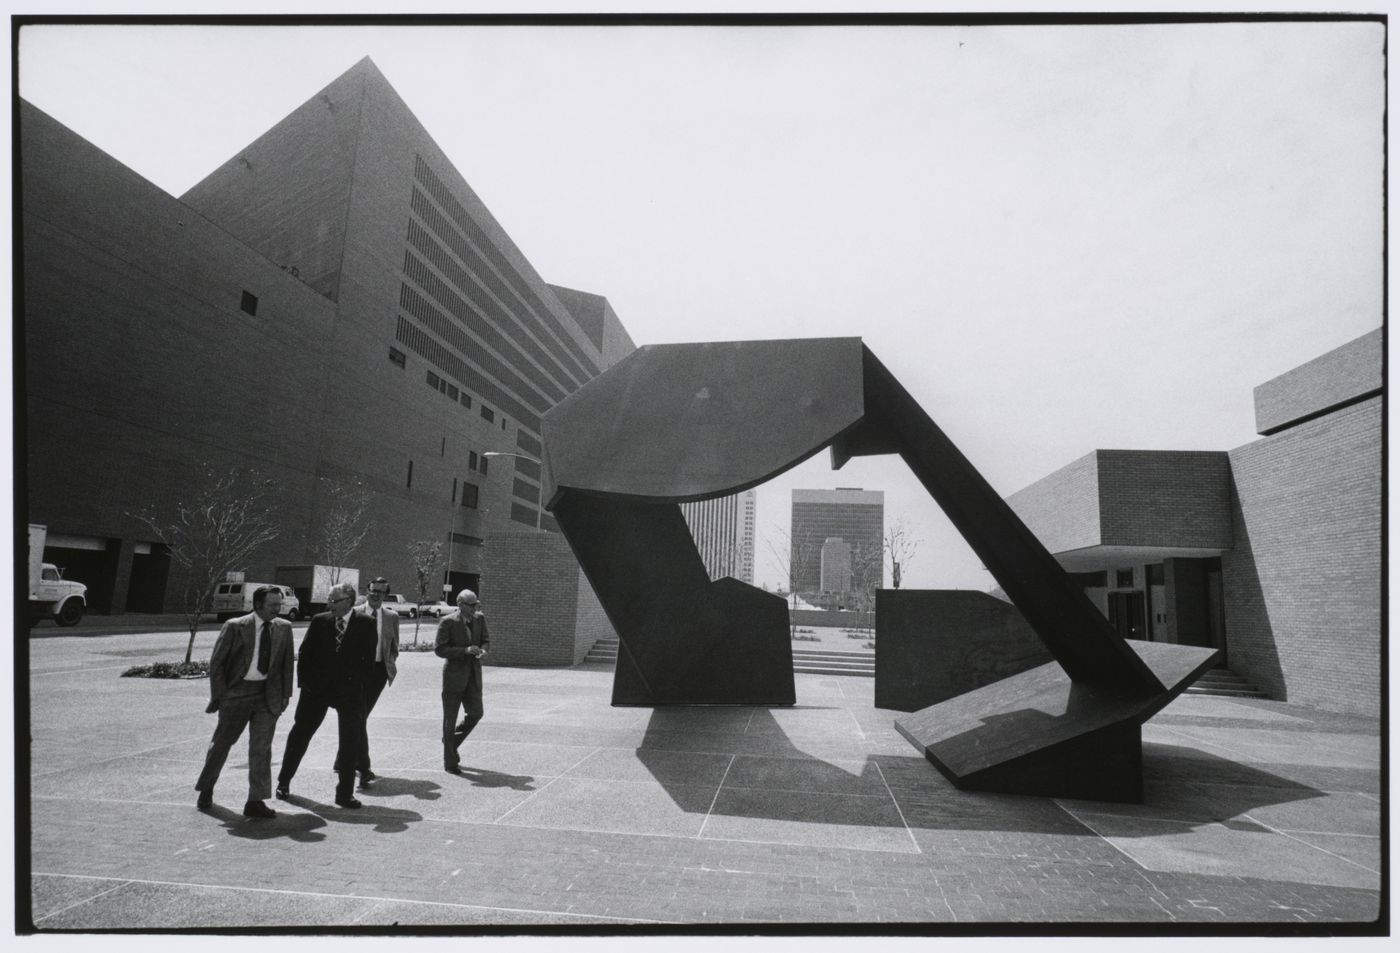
<point x="453" y="636"/>
<point x="388" y="637"/>
<point x="233" y="655"/>
<point x="339" y="675"/>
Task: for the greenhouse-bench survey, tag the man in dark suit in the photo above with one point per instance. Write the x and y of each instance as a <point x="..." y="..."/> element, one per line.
<point x="333" y="671"/>
<point x="461" y="641"/>
<point x="250" y="683"/>
<point x="386" y="654"/>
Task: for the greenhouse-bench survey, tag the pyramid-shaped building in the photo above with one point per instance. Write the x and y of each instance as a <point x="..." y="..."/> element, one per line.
<point x="333" y="308"/>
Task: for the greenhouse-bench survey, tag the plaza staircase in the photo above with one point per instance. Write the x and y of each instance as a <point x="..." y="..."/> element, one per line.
<point x="813" y="662"/>
<point x="1222" y="681"/>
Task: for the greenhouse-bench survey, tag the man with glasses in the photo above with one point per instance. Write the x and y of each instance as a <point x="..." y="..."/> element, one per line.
<point x="461" y="642"/>
<point x="386" y="654"/>
<point x="250" y="683"/>
<point x="333" y="671"/>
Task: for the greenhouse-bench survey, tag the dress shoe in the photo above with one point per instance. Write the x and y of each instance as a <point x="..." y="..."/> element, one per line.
<point x="349" y="802"/>
<point x="367" y="778"/>
<point x="258" y="809"/>
<point x="206" y="800"/>
<point x="452" y="768"/>
<point x="284" y="791"/>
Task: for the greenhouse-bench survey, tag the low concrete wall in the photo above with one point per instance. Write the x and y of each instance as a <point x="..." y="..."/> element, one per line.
<point x="936" y="644"/>
<point x="831" y="617"/>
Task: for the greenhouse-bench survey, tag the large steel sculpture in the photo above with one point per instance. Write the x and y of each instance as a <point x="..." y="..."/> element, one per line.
<point x="674" y="423"/>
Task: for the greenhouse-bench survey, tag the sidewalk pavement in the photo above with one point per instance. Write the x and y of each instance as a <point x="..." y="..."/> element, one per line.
<point x="572" y="812"/>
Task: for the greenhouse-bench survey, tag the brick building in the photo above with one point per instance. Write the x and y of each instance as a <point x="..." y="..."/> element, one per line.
<point x="333" y="306"/>
<point x="1270" y="552"/>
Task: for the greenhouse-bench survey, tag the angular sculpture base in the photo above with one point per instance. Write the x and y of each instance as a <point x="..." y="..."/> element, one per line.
<point x="1041" y="733"/>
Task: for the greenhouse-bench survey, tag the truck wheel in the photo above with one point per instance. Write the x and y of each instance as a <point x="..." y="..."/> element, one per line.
<point x="71" y="612"/>
<point x="413" y="613"/>
<point x="294" y="615"/>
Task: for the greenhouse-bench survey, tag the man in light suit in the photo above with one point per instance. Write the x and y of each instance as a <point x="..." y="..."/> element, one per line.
<point x="461" y="641"/>
<point x="386" y="654"/>
<point x="250" y="683"/>
<point x="333" y="671"/>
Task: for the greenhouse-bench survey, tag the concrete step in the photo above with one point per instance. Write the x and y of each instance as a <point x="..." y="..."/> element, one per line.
<point x="1225" y="683"/>
<point x="838" y="656"/>
<point x="815" y="669"/>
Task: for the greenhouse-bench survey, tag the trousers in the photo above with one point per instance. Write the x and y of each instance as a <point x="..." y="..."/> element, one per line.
<point x="350" y="720"/>
<point x="245" y="705"/>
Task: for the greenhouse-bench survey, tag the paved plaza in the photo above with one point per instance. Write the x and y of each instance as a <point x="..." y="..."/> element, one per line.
<point x="572" y="812"/>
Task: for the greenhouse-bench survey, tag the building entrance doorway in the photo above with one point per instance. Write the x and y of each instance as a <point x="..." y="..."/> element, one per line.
<point x="1127" y="613"/>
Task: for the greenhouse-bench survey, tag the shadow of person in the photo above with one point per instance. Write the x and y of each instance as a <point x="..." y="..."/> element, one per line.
<point x="384" y="820"/>
<point x="422" y="789"/>
<point x="482" y="778"/>
<point x="297" y="827"/>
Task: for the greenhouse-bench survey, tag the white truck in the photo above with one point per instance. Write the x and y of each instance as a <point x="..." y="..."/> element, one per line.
<point x="50" y="595"/>
<point x="311" y="583"/>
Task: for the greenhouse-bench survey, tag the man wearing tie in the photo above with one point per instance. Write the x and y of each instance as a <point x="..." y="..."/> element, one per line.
<point x="333" y="671"/>
<point x="250" y="683"/>
<point x="386" y="654"/>
<point x="461" y="642"/>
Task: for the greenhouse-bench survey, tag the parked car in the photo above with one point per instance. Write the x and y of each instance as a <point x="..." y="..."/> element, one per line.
<point x="436" y="609"/>
<point x="401" y="605"/>
<point x="236" y="598"/>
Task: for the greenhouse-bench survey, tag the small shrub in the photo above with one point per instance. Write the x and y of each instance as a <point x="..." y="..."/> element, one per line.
<point x="195" y="669"/>
<point x="805" y="638"/>
<point x="424" y="645"/>
<point x="868" y="645"/>
<point x="801" y="629"/>
<point x="857" y="635"/>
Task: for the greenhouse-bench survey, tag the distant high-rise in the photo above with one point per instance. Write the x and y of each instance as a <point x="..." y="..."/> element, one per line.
<point x="853" y="515"/>
<point x="836" y="565"/>
<point x="723" y="529"/>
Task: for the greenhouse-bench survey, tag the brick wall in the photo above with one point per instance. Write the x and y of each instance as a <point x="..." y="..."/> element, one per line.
<point x="1062" y="509"/>
<point x="591" y="623"/>
<point x="1302" y="584"/>
<point x="1164" y="498"/>
<point x="1340" y="375"/>
<point x="532" y="580"/>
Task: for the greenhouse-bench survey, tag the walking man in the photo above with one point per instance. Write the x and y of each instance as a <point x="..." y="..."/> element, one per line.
<point x="333" y="671"/>
<point x="461" y="641"/>
<point x="386" y="654"/>
<point x="250" y="683"/>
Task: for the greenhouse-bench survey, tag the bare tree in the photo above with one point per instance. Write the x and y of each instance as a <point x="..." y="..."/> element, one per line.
<point x="426" y="556"/>
<point x="794" y="560"/>
<point x="900" y="546"/>
<point x="216" y="528"/>
<point x="343" y="523"/>
<point x="867" y="561"/>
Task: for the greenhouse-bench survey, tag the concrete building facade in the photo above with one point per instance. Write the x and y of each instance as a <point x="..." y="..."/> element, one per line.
<point x="723" y="530"/>
<point x="851" y="514"/>
<point x="1270" y="552"/>
<point x="333" y="307"/>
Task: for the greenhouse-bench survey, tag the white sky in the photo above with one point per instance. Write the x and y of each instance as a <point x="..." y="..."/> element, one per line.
<point x="1057" y="238"/>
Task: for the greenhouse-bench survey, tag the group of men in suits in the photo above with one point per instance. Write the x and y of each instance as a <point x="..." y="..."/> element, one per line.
<point x="347" y="657"/>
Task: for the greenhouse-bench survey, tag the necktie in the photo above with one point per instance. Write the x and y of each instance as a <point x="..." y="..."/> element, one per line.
<point x="339" y="632"/>
<point x="265" y="648"/>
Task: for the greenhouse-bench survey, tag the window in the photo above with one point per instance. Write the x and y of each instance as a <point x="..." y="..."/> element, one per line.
<point x="452" y="391"/>
<point x="503" y="423"/>
<point x="1124" y="578"/>
<point x="397" y="357"/>
<point x="442" y="451"/>
<point x="433" y="380"/>
<point x="466" y="400"/>
<point x="454" y="489"/>
<point x="469" y="495"/>
<point x="410" y="473"/>
<point x="487" y="414"/>
<point x="250" y="303"/>
<point x="471" y="459"/>
<point x="483" y="464"/>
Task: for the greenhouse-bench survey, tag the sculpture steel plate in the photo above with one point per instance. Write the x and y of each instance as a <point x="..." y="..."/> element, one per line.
<point x="675" y="423"/>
